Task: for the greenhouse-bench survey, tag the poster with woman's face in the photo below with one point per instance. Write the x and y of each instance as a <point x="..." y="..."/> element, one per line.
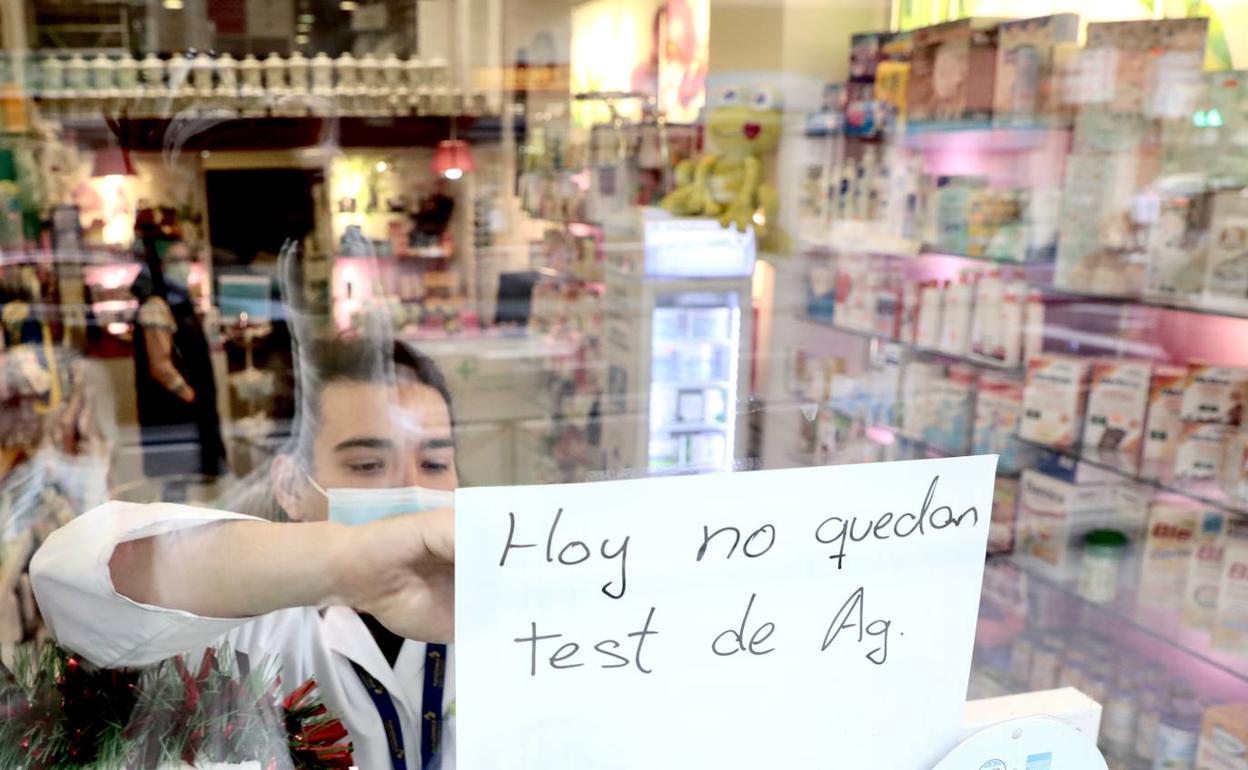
<point x="662" y="50"/>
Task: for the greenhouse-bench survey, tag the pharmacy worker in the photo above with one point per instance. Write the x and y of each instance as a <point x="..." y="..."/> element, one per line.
<point x="339" y="592"/>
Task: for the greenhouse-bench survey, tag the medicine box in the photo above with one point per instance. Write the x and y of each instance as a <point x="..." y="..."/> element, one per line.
<point x="1117" y="403"/>
<point x="1026" y="88"/>
<point x="1053" y="400"/>
<point x="1214" y="394"/>
<point x="1204" y="572"/>
<point x="1164" y="424"/>
<point x="1226" y="278"/>
<point x="1172" y="528"/>
<point x="1134" y="56"/>
<point x="1230" y="624"/>
<point x="1053" y="517"/>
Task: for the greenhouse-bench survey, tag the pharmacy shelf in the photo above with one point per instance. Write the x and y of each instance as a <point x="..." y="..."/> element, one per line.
<point x="1204" y="494"/>
<point x="1156" y="627"/>
<point x="933" y="352"/>
<point x="1061" y="292"/>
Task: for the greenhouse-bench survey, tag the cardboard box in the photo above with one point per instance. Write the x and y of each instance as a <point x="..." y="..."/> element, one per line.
<point x="1136" y="59"/>
<point x="1053" y="400"/>
<point x="1004" y="514"/>
<point x="1200" y="452"/>
<point x="1214" y="394"/>
<point x="1053" y="517"/>
<point x="1117" y="404"/>
<point x="1164" y="425"/>
<point x="953" y="71"/>
<point x="1226" y="277"/>
<point x="1230" y="623"/>
<point x="1172" y="528"/>
<point x="1204" y="572"/>
<point x="1027" y="89"/>
<point x="1223" y="738"/>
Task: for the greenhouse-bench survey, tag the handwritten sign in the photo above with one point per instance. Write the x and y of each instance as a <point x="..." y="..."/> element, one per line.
<point x="808" y="618"/>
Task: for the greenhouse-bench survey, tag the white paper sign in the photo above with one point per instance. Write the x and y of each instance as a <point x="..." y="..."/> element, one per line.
<point x="808" y="618"/>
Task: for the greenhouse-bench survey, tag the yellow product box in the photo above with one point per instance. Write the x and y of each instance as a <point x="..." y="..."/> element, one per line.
<point x="1230" y="623"/>
<point x="1224" y="738"/>
<point x="1168" y="546"/>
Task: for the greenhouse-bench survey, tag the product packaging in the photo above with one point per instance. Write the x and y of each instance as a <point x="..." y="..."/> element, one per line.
<point x="955" y="330"/>
<point x="1172" y="528"/>
<point x="1053" y="400"/>
<point x="1224" y="738"/>
<point x="1230" y="624"/>
<point x="1176" y="243"/>
<point x="1117" y="401"/>
<point x="998" y="412"/>
<point x="1204" y="571"/>
<point x="1054" y="516"/>
<point x="892" y="76"/>
<point x="1164" y="424"/>
<point x="1140" y="58"/>
<point x="953" y="71"/>
<point x="1004" y="513"/>
<point x="1200" y="452"/>
<point x="952" y="402"/>
<point x="1226" y="279"/>
<point x="930" y="315"/>
<point x="1214" y="394"/>
<point x="1026" y="90"/>
<point x="918" y="402"/>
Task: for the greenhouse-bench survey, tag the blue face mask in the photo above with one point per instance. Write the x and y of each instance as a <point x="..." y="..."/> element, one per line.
<point x="355" y="506"/>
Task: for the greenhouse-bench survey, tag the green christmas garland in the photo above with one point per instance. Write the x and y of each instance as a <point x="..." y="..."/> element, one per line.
<point x="57" y="711"/>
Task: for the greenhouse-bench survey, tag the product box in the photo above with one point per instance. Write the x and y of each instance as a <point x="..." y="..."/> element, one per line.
<point x="998" y="412"/>
<point x="1204" y="571"/>
<point x="1230" y="624"/>
<point x="1214" y="394"/>
<point x="1004" y="513"/>
<point x="892" y="77"/>
<point x="1117" y="403"/>
<point x="1053" y="400"/>
<point x="1139" y="59"/>
<point x="1200" y="452"/>
<point x="1226" y="277"/>
<point x="1164" y="425"/>
<point x="1172" y="528"/>
<point x="1026" y="89"/>
<point x="1054" y="515"/>
<point x="918" y="380"/>
<point x="953" y="412"/>
<point x="1224" y="738"/>
<point x="1176" y="244"/>
<point x="953" y="71"/>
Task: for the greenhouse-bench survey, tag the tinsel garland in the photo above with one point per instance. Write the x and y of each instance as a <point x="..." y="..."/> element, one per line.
<point x="58" y="711"/>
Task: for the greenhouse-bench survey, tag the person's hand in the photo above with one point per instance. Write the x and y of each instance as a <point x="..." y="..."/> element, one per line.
<point x="402" y="571"/>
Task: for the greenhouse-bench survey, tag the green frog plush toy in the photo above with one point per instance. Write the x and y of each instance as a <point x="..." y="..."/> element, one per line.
<point x="743" y="124"/>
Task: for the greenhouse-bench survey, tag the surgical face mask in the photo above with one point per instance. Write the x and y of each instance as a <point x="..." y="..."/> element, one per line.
<point x="354" y="506"/>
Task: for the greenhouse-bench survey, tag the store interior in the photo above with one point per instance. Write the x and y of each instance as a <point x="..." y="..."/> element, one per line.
<point x="645" y="238"/>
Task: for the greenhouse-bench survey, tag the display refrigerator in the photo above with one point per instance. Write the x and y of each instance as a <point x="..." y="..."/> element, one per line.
<point x="678" y="330"/>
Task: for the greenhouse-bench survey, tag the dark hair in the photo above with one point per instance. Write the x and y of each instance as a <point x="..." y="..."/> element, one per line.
<point x="336" y="359"/>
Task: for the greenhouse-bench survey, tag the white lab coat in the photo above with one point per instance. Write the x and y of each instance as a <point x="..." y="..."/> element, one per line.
<point x="71" y="581"/>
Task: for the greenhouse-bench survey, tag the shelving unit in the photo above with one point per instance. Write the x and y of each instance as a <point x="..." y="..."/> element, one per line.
<point x="911" y="347"/>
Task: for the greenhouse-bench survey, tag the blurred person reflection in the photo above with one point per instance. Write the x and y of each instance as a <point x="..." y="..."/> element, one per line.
<point x="131" y="584"/>
<point x="174" y="383"/>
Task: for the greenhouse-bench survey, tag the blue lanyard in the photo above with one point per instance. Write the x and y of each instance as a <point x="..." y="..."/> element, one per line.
<point x="431" y="703"/>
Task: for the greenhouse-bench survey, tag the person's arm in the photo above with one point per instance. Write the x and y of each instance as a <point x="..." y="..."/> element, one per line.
<point x="130" y="584"/>
<point x="156" y="321"/>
